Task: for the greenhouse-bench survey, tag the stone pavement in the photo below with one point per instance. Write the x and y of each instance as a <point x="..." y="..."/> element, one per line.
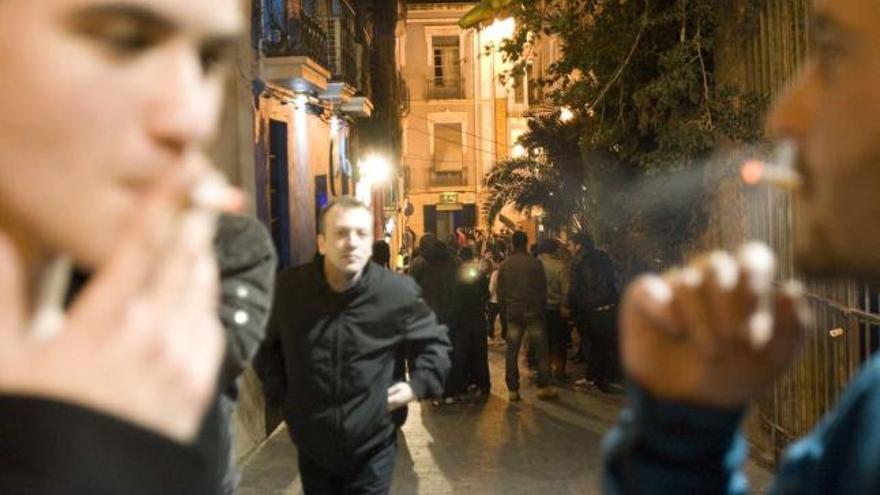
<point x="492" y="447"/>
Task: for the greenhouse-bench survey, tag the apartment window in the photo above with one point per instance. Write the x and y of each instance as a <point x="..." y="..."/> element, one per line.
<point x="446" y="65"/>
<point x="448" y="147"/>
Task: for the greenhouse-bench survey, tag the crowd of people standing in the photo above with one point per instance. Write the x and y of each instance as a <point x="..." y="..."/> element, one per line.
<point x="555" y="300"/>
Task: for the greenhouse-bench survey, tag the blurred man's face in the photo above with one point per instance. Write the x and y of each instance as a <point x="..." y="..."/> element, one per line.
<point x="833" y="113"/>
<point x="347" y="240"/>
<point x="97" y="98"/>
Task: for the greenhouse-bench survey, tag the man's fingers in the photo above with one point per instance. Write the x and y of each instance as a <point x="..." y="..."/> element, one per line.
<point x="134" y="260"/>
<point x="179" y="279"/>
<point x="759" y="264"/>
<point x="649" y="302"/>
<point x="792" y="320"/>
<point x="691" y="305"/>
<point x="723" y="278"/>
<point x="11" y="292"/>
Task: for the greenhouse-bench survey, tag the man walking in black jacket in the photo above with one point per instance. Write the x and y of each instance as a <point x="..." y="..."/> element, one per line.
<point x="329" y="356"/>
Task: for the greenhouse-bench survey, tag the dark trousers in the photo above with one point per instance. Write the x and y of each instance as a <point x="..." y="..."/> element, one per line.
<point x="477" y="358"/>
<point x="456" y="381"/>
<point x="494" y="312"/>
<point x="370" y="476"/>
<point x="599" y="344"/>
<point x="556" y="339"/>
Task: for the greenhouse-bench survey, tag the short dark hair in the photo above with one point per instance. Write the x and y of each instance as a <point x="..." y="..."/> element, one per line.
<point x="344" y="202"/>
<point x="381" y="253"/>
<point x="520" y="240"/>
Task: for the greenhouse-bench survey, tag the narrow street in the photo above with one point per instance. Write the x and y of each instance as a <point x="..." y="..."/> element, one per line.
<point x="530" y="447"/>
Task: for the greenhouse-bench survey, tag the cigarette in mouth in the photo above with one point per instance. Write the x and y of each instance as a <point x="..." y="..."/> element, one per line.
<point x="213" y="193"/>
<point x="757" y="172"/>
<point x="779" y="173"/>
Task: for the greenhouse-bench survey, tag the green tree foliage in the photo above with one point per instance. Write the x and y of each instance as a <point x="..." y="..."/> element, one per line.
<point x="551" y="177"/>
<point x="640" y="76"/>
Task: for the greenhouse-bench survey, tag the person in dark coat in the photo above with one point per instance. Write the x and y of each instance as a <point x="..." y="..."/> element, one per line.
<point x="592" y="300"/>
<point x="328" y="359"/>
<point x="472" y="291"/>
<point x="436" y="272"/>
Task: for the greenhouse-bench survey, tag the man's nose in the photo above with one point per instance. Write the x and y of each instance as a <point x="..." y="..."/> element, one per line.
<point x="793" y="114"/>
<point x="185" y="102"/>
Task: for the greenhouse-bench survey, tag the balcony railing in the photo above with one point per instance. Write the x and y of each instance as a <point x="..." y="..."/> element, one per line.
<point x="444" y="88"/>
<point x="304" y="37"/>
<point x="448" y="178"/>
<point x="342" y="45"/>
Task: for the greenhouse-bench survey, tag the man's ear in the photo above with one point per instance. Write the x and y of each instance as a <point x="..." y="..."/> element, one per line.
<point x="322" y="245"/>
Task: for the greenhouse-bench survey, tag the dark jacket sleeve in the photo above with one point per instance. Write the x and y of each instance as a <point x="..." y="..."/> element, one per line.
<point x="575" y="287"/>
<point x="269" y="363"/>
<point x="541" y="276"/>
<point x="428" y="346"/>
<point x="51" y="448"/>
<point x="247" y="274"/>
<point x="663" y="447"/>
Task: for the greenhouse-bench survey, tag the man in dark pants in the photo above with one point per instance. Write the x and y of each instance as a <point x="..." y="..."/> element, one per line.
<point x="522" y="291"/>
<point x="328" y="359"/>
<point x="593" y="300"/>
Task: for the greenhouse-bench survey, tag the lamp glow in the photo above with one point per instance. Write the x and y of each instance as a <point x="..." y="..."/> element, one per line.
<point x="375" y="170"/>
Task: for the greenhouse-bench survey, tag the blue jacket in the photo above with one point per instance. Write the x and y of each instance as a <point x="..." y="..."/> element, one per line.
<point x="661" y="447"/>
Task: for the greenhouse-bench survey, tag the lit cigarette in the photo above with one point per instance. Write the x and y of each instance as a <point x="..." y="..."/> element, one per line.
<point x="780" y="173"/>
<point x="756" y="172"/>
<point x="213" y="193"/>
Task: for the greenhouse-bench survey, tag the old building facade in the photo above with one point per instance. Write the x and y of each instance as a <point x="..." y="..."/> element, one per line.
<point x="462" y="116"/>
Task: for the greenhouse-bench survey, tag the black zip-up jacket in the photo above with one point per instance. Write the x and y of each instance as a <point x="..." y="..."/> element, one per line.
<point x="328" y="358"/>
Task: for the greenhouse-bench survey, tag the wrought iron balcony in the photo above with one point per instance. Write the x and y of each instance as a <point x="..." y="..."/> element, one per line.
<point x="444" y="88"/>
<point x="448" y="178"/>
<point x="303" y="37"/>
<point x="342" y="43"/>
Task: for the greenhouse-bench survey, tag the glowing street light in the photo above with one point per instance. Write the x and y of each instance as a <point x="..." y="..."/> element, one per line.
<point x="375" y="170"/>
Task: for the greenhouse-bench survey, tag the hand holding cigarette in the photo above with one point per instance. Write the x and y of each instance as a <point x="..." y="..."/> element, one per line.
<point x="142" y="341"/>
<point x="713" y="333"/>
